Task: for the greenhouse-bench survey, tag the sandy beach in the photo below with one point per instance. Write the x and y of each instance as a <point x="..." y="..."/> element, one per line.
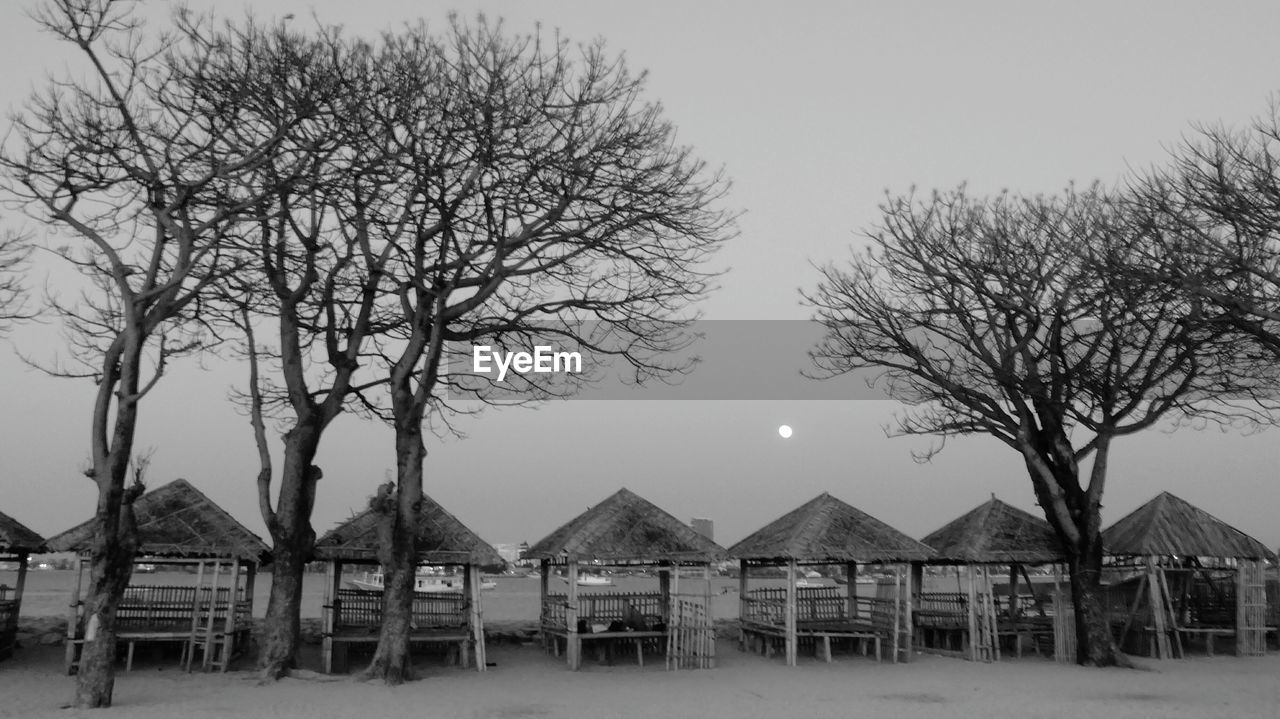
<point x="527" y="683"/>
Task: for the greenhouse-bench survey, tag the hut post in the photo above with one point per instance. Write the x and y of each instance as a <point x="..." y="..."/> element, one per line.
<point x="969" y="571"/>
<point x="1159" y="612"/>
<point x="207" y="657"/>
<point x="195" y="615"/>
<point x="233" y="597"/>
<point x="664" y="588"/>
<point x="908" y="607"/>
<point x="328" y="614"/>
<point x="709" y="646"/>
<point x="251" y="582"/>
<point x="574" y="642"/>
<point x="897" y="610"/>
<point x="1241" y="596"/>
<point x="477" y="616"/>
<point x="1013" y="591"/>
<point x="742" y="601"/>
<point x="791" y="612"/>
<point x="468" y="604"/>
<point x="544" y="585"/>
<point x="73" y="617"/>
<point x="23" y="559"/>
<point x="917" y="590"/>
<point x="851" y="590"/>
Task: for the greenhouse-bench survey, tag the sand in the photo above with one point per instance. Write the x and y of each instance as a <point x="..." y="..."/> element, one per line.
<point x="527" y="683"/>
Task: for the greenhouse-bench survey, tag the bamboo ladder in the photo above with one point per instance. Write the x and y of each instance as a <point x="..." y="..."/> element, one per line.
<point x="1251" y="609"/>
<point x="982" y="617"/>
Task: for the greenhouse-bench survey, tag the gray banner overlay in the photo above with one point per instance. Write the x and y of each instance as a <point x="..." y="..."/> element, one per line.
<point x="723" y="360"/>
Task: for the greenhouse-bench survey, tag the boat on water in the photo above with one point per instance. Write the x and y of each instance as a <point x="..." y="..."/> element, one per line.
<point x="423" y="581"/>
<point x="593" y="580"/>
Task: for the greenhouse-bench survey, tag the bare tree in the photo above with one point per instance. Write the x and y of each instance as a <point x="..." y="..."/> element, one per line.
<point x="15" y="250"/>
<point x="1214" y="216"/>
<point x="1012" y="317"/>
<point x="140" y="174"/>
<point x="311" y="274"/>
<point x="546" y="198"/>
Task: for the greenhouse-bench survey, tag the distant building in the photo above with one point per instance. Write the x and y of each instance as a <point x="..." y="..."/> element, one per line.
<point x="704" y="526"/>
<point x="509" y="552"/>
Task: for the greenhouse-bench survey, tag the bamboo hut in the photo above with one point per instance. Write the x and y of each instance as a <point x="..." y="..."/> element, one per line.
<point x="178" y="528"/>
<point x="17" y="544"/>
<point x="454" y="619"/>
<point x="626" y="531"/>
<point x="972" y="620"/>
<point x="822" y="532"/>
<point x="1180" y="574"/>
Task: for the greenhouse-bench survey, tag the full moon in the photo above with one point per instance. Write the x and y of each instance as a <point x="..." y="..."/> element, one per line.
<point x="784" y="431"/>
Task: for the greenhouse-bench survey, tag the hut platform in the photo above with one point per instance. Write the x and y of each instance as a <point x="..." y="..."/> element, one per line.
<point x="176" y="525"/>
<point x="606" y="621"/>
<point x="439" y="618"/>
<point x="822" y="616"/>
<point x="353" y="616"/>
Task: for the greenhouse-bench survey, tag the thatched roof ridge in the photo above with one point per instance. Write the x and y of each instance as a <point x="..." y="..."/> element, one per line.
<point x="442" y="539"/>
<point x="16" y="537"/>
<point x="177" y="520"/>
<point x="626" y="528"/>
<point x="1169" y="526"/>
<point x="827" y="529"/>
<point x="995" y="532"/>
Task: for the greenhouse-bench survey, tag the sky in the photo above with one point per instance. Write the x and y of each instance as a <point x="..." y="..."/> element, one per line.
<point x="814" y="111"/>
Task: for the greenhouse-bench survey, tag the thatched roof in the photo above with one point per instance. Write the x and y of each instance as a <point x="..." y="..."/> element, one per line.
<point x="177" y="520"/>
<point x="1168" y="526"/>
<point x="15" y="537"/>
<point x="442" y="539"/>
<point x="626" y="528"/>
<point x="995" y="532"/>
<point x="827" y="529"/>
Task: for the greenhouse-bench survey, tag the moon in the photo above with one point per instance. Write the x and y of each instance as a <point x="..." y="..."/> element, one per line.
<point x="784" y="431"/>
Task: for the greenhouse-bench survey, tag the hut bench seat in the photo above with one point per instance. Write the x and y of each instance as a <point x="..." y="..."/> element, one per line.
<point x="822" y="614"/>
<point x="438" y="618"/>
<point x="762" y="637"/>
<point x="603" y="609"/>
<point x="457" y="640"/>
<point x="160" y="614"/>
<point x="605" y="641"/>
<point x="1037" y="629"/>
<point x="8" y="627"/>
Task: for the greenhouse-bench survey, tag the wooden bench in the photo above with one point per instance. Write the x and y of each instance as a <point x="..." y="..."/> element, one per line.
<point x="1207" y="632"/>
<point x="456" y="641"/>
<point x="1036" y="629"/>
<point x="438" y="618"/>
<point x="166" y="614"/>
<point x="763" y="636"/>
<point x="604" y="641"/>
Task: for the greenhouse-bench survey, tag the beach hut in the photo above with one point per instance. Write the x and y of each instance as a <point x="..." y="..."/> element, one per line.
<point x="628" y="533"/>
<point x="971" y="620"/>
<point x="193" y="578"/>
<point x="1178" y="574"/>
<point x="826" y="531"/>
<point x="17" y="544"/>
<point x="443" y="613"/>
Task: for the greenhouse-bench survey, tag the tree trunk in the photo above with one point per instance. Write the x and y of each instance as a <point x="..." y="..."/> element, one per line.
<point x="280" y="627"/>
<point x="111" y="565"/>
<point x="397" y="534"/>
<point x="293" y="541"/>
<point x="115" y="541"/>
<point x="1095" y="646"/>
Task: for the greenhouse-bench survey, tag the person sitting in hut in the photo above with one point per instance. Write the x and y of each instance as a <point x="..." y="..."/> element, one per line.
<point x="634" y="620"/>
